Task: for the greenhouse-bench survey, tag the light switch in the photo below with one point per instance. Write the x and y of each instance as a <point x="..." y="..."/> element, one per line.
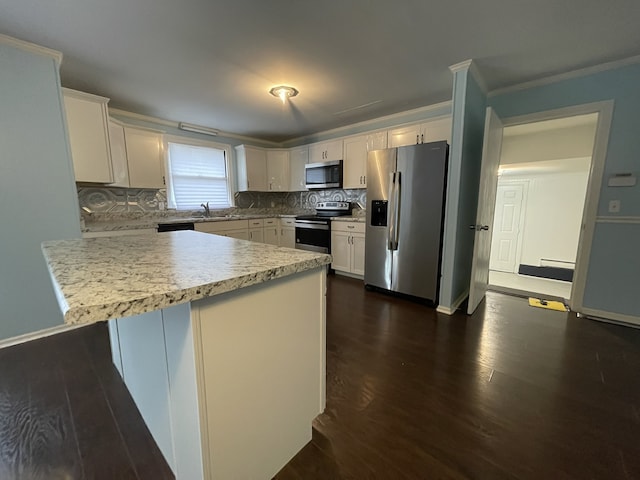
<point x="614" y="206"/>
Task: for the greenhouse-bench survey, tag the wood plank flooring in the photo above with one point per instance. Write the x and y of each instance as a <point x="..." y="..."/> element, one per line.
<point x="511" y="392"/>
<point x="66" y="414"/>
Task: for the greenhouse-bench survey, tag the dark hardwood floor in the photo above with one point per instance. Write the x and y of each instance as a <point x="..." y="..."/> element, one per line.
<point x="66" y="414"/>
<point x="510" y="392"/>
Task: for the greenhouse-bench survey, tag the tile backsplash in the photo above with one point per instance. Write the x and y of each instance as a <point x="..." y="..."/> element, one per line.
<point x="128" y="200"/>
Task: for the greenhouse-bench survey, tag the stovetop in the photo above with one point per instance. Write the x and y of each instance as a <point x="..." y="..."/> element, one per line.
<point x="326" y="210"/>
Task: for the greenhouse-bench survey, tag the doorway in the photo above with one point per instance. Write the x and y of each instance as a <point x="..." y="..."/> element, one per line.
<point x="542" y="186"/>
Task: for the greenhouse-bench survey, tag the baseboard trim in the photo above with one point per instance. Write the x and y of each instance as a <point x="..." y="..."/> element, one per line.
<point x="47" y="332"/>
<point x="610" y="317"/>
<point x="456" y="304"/>
<point x="349" y="274"/>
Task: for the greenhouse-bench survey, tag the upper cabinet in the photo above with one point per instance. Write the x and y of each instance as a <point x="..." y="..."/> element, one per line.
<point x="252" y="168"/>
<point x="277" y="170"/>
<point x="325" y="151"/>
<point x="87" y="124"/>
<point x="144" y="157"/>
<point x="356" y="150"/>
<point x="298" y="158"/>
<point x="136" y="156"/>
<point x="431" y="131"/>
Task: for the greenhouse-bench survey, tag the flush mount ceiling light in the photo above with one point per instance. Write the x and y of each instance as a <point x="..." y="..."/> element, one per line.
<point x="283" y="92"/>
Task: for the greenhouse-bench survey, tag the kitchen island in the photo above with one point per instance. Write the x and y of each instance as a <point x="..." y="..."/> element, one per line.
<point x="221" y="342"/>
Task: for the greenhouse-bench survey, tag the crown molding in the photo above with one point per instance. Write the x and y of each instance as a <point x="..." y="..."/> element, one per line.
<point x="581" y="72"/>
<point x="32" y="47"/>
<point x="458" y="67"/>
<point x="366" y="123"/>
<point x="174" y="124"/>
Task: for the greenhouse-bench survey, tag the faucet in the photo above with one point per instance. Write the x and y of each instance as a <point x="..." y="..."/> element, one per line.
<point x="207" y="213"/>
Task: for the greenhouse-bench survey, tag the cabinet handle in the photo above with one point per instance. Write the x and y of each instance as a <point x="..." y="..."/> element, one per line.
<point x="364" y="179"/>
<point x="422" y="138"/>
<point x="417" y="139"/>
<point x="270" y="186"/>
<point x="163" y="180"/>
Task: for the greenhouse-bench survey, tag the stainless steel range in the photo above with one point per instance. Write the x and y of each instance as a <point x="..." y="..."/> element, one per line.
<point x="313" y="232"/>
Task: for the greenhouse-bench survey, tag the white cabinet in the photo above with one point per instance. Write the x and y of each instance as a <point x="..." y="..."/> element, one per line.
<point x="325" y="151"/>
<point x="118" y="233"/>
<point x="298" y="158"/>
<point x="347" y="247"/>
<point x="288" y="232"/>
<point x="136" y="156"/>
<point x="144" y="157"/>
<point x="252" y="168"/>
<point x="118" y="154"/>
<point x="88" y="127"/>
<point x="256" y="230"/>
<point x="228" y="228"/>
<point x="277" y="170"/>
<point x="431" y="131"/>
<point x="271" y="231"/>
<point x="355" y="157"/>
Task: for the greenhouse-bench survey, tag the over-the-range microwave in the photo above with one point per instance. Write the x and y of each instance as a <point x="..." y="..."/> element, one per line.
<point x="323" y="175"/>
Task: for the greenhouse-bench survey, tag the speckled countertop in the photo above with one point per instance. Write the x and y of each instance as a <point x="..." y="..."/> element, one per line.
<point x="349" y="218"/>
<point x="111" y="277"/>
<point x="116" y="224"/>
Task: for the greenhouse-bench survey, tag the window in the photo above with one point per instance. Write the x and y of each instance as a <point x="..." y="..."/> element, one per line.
<point x="198" y="173"/>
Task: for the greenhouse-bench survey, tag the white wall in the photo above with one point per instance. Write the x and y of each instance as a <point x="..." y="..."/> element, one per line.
<point x="553" y="213"/>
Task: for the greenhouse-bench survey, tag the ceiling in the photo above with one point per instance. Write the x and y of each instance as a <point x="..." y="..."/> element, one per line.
<point x="212" y="62"/>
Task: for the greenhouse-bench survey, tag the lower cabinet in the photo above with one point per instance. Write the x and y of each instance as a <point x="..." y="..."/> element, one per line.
<point x="288" y="232"/>
<point x="271" y="231"/>
<point x="229" y="228"/>
<point x="347" y="247"/>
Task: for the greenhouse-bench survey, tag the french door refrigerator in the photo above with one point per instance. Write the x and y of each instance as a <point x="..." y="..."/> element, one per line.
<point x="405" y="215"/>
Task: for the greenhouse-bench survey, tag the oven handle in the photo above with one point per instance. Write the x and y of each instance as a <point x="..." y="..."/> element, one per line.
<point x="312" y="225"/>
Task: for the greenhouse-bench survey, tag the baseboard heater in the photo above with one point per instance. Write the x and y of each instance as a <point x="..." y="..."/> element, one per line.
<point x="554" y="273"/>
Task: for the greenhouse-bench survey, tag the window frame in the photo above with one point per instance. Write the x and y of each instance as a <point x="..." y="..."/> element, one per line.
<point x="196" y="142"/>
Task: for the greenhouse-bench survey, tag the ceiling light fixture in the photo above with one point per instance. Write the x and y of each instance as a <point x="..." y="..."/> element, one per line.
<point x="283" y="92"/>
<point x="190" y="127"/>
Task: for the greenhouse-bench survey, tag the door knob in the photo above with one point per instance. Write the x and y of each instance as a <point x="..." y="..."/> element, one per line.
<point x="479" y="227"/>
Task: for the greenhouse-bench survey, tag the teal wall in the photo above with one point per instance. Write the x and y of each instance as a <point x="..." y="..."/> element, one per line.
<point x="465" y="159"/>
<point x="613" y="277"/>
<point x="37" y="192"/>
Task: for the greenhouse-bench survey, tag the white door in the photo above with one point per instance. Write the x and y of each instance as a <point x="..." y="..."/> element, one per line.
<point x="491" y="150"/>
<point x="506" y="227"/>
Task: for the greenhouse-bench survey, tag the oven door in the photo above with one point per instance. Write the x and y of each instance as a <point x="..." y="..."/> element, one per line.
<point x="313" y="236"/>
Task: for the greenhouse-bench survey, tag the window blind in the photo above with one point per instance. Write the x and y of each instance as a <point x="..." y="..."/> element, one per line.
<point x="198" y="175"/>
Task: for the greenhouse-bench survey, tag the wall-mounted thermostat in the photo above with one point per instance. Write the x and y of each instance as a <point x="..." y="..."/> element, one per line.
<point x="622" y="180"/>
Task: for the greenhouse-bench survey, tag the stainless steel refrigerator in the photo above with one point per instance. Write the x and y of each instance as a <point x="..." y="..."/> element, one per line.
<point x="405" y="215"/>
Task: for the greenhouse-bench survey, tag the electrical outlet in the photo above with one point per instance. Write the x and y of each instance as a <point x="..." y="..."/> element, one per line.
<point x="614" y="206"/>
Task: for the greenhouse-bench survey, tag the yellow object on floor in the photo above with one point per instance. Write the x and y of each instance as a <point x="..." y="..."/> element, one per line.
<point x="549" y="304"/>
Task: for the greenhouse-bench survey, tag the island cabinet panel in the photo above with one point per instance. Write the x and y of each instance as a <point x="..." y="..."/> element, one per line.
<point x="263" y="379"/>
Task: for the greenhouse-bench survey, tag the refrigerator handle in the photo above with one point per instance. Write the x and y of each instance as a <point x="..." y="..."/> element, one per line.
<point x="394" y="207"/>
<point x="392" y="211"/>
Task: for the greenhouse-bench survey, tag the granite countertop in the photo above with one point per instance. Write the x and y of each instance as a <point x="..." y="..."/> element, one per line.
<point x="349" y="218"/>
<point x="142" y="223"/>
<point x="111" y="277"/>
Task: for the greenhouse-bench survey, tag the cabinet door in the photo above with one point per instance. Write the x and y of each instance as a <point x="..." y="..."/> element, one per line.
<point x="341" y="251"/>
<point x="256" y="235"/>
<point x="298" y="158"/>
<point x="144" y="156"/>
<point x="437" y="130"/>
<point x="409" y="135"/>
<point x="252" y="169"/>
<point x="271" y="235"/>
<point x="118" y="155"/>
<point x="88" y="128"/>
<point x="355" y="162"/>
<point x="288" y="237"/>
<point x="316" y="153"/>
<point x="333" y="150"/>
<point x="278" y="170"/>
<point x="239" y="234"/>
<point x="357" y="254"/>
